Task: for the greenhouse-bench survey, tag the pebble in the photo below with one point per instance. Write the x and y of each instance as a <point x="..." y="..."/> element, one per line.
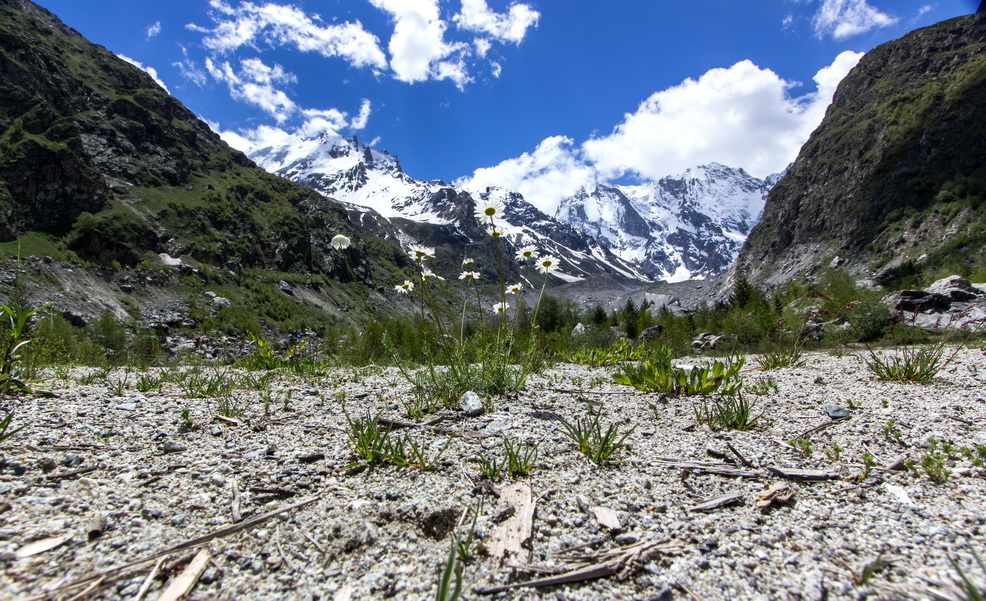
<point x="173" y="446"/>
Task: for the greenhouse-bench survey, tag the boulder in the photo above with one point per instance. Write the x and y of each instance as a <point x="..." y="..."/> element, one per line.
<point x="652" y="333"/>
<point x="949" y="302"/>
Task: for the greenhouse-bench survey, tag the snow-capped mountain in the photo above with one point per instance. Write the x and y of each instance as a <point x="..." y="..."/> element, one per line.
<point x="385" y="200"/>
<point x="684" y="227"/>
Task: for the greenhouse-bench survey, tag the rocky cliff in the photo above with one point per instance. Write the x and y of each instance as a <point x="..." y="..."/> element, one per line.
<point x="99" y="163"/>
<point x="892" y="182"/>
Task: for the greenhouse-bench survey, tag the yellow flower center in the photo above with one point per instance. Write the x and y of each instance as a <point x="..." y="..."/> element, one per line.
<point x="489" y="211"/>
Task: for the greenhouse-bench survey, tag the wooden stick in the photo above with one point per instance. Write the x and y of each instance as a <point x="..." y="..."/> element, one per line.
<point x="185" y="581"/>
<point x="150" y="578"/>
<point x="822" y="427"/>
<point x="738" y="455"/>
<point x="313" y="541"/>
<point x="236" y="503"/>
<point x="280" y="550"/>
<point x="77" y="472"/>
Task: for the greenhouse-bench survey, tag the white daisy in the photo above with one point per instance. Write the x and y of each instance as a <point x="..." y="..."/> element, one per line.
<point x="501" y="307"/>
<point x="340" y="242"/>
<point x="405" y="288"/>
<point x="489" y="209"/>
<point x="427" y="273"/>
<point x="468" y="263"/>
<point x="515" y="288"/>
<point x="526" y="253"/>
<point x="469" y="276"/>
<point x="547" y="264"/>
<point x="418" y="253"/>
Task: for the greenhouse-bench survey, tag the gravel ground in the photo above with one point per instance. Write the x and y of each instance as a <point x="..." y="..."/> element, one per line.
<point x="98" y="450"/>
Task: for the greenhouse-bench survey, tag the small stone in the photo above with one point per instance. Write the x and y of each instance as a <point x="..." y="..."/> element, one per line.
<point x="72" y="460"/>
<point x="173" y="446"/>
<point x="215" y="430"/>
<point x="709" y="545"/>
<point x="217" y="480"/>
<point x="177" y="520"/>
<point x="127" y="406"/>
<point x="471" y="404"/>
<point x="836" y="411"/>
<point x="626" y="539"/>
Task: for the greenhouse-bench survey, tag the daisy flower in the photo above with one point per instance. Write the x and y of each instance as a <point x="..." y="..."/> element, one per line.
<point x="489" y="209"/>
<point x="427" y="273"/>
<point x="515" y="288"/>
<point x="547" y="264"/>
<point x="340" y="242"/>
<point x="528" y="252"/>
<point x="469" y="276"/>
<point x="418" y="253"/>
<point x="405" y="288"/>
<point x="468" y="263"/>
<point x="501" y="307"/>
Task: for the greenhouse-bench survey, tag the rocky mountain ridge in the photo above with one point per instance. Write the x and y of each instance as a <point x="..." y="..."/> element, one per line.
<point x="892" y="183"/>
<point x="684" y="227"/>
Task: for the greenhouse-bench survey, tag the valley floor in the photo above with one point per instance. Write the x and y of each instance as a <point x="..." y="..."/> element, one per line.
<point x="103" y="450"/>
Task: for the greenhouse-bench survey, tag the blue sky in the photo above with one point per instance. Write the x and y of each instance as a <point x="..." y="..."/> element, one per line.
<point x="541" y="96"/>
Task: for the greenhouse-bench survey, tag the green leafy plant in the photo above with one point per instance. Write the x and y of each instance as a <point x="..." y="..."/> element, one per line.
<point x="450" y="582"/>
<point x="490" y="467"/>
<point x="869" y="462"/>
<point x="619" y="352"/>
<point x="728" y="413"/>
<point x="658" y="374"/>
<point x="465" y="547"/>
<point x="148" y="382"/>
<point x="963" y="588"/>
<point x="834" y="453"/>
<point x="593" y="442"/>
<point x="229" y="405"/>
<point x="13" y="339"/>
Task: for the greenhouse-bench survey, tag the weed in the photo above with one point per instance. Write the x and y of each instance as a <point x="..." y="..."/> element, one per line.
<point x="869" y="462"/>
<point x="802" y="446"/>
<point x="490" y="467"/>
<point x="407" y="452"/>
<point x="657" y="374"/>
<point x="369" y="440"/>
<point x="450" y="582"/>
<point x="13" y="339"/>
<point x="228" y="406"/>
<point x="934" y="464"/>
<point x="593" y="442"/>
<point x="465" y="547"/>
<point x="892" y="433"/>
<point x="5" y="424"/>
<point x="761" y="386"/>
<point x="519" y="460"/>
<point x="620" y="351"/>
<point x="977" y="456"/>
<point x="834" y="453"/>
<point x="728" y="413"/>
<point x="148" y="382"/>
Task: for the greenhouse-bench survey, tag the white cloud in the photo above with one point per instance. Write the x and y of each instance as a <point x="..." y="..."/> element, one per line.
<point x="256" y="83"/>
<point x="552" y="172"/>
<point x="149" y="70"/>
<point x="190" y="70"/>
<point x="313" y="122"/>
<point x="153" y="30"/>
<point x="512" y="27"/>
<point x="278" y="25"/>
<point x="418" y="48"/>
<point x="741" y="116"/>
<point x="360" y="120"/>
<point x="845" y="18"/>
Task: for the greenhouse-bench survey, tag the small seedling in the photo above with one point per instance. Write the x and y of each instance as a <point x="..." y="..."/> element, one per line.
<point x="834" y="453"/>
<point x="802" y="446"/>
<point x="934" y="465"/>
<point x="519" y="461"/>
<point x="728" y="413"/>
<point x="4" y="425"/>
<point x="369" y="440"/>
<point x="892" y="433"/>
<point x="869" y="462"/>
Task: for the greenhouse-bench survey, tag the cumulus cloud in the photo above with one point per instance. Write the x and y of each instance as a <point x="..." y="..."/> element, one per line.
<point x="845" y="18"/>
<point x="418" y="48"/>
<point x="149" y="70"/>
<point x="153" y="30"/>
<point x="511" y="27"/>
<point x="250" y="24"/>
<point x="255" y="83"/>
<point x="742" y="116"/>
<point x="190" y="70"/>
<point x="552" y="172"/>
